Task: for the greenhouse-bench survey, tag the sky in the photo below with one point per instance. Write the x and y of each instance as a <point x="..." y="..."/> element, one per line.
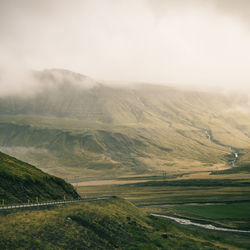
<point x="205" y="43"/>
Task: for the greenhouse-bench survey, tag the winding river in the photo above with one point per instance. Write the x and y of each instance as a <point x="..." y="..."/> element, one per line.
<point x="206" y="226"/>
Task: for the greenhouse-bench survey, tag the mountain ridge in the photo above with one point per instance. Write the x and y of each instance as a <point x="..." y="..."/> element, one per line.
<point x="116" y="130"/>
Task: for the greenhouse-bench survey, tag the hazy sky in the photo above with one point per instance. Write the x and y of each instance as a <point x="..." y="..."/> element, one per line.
<point x="203" y="42"/>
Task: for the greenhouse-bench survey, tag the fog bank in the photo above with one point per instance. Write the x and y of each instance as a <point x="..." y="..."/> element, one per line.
<point x="175" y="42"/>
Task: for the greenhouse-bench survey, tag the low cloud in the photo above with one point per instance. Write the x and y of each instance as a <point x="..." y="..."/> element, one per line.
<point x="174" y="42"/>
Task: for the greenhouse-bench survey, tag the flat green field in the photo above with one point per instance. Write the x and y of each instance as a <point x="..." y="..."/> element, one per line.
<point x="226" y="211"/>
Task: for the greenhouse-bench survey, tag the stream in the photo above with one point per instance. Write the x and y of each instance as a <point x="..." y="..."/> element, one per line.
<point x="209" y="136"/>
<point x="206" y="226"/>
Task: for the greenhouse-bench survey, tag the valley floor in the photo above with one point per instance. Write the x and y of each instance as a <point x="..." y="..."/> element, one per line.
<point x="220" y="200"/>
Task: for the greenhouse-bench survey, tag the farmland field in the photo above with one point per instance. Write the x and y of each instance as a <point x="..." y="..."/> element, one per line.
<point x="175" y="191"/>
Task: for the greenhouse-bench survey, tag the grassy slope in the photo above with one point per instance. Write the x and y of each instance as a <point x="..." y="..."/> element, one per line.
<point x="110" y="224"/>
<point x="20" y="181"/>
<point x="105" y="130"/>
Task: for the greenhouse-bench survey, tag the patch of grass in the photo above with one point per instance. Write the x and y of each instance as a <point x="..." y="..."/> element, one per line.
<point x="227" y="211"/>
<point x="196" y="182"/>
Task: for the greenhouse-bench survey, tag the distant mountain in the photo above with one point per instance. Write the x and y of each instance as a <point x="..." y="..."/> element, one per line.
<point x="75" y="126"/>
<point x="20" y="182"/>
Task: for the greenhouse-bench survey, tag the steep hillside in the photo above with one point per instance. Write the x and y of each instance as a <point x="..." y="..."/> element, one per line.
<point x="73" y="122"/>
<point x="20" y="181"/>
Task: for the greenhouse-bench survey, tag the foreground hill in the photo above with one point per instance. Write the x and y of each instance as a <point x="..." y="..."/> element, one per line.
<point x="20" y="181"/>
<point x="74" y="122"/>
<point x="107" y="224"/>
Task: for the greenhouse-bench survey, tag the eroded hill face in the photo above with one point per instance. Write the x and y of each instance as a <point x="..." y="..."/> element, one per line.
<point x="76" y="126"/>
<point x="20" y="182"/>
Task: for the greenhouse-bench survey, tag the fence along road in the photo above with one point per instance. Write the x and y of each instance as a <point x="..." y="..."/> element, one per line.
<point x="51" y="203"/>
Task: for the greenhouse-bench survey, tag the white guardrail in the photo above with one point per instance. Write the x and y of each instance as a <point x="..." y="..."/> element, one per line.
<point x="50" y="203"/>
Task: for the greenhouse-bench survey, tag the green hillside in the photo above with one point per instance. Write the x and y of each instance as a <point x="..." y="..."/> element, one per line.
<point x="106" y="224"/>
<point x="96" y="129"/>
<point x="20" y="182"/>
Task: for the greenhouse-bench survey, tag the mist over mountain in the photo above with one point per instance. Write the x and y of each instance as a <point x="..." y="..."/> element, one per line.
<point x="147" y="100"/>
<point x="75" y="125"/>
<point x="184" y="43"/>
